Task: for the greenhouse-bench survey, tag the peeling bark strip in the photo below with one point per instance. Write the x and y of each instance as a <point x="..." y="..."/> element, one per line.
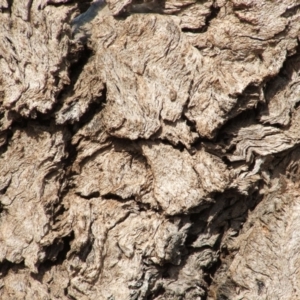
<point x="149" y="149"/>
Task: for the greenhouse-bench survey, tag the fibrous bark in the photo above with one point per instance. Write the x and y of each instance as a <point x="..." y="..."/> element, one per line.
<point x="149" y="149"/>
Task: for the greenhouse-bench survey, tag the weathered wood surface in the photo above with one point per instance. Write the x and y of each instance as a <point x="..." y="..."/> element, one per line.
<point x="149" y="149"/>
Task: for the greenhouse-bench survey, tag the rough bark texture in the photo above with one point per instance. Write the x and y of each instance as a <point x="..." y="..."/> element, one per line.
<point x="149" y="149"/>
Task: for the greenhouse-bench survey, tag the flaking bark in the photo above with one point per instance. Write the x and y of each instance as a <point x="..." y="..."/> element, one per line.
<point x="149" y="149"/>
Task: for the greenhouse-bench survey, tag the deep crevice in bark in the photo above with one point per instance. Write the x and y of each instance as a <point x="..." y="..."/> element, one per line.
<point x="214" y="13"/>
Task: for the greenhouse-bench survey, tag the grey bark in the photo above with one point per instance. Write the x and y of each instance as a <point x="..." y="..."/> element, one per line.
<point x="149" y="149"/>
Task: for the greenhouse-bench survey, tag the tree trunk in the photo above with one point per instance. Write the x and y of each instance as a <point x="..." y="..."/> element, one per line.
<point x="149" y="149"/>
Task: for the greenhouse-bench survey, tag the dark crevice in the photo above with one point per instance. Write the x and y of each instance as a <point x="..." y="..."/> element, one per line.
<point x="3" y="209"/>
<point x="291" y="11"/>
<point x="42" y="119"/>
<point x="77" y="67"/>
<point x="271" y="85"/>
<point x="8" y="136"/>
<point x="17" y="120"/>
<point x="235" y="119"/>
<point x="78" y="62"/>
<point x="274" y="85"/>
<point x="90" y="196"/>
<point x="87" y="117"/>
<point x="7" y="266"/>
<point x="86" y="250"/>
<point x="166" y="273"/>
<point x="133" y="145"/>
<point x="191" y="238"/>
<point x="231" y="201"/>
<point x="141" y="7"/>
<point x="58" y="211"/>
<point x="179" y="146"/>
<point x="158" y="292"/>
<point x="226" y="255"/>
<point x="84" y="5"/>
<point x="11" y="43"/>
<point x="211" y="270"/>
<point x="72" y="154"/>
<point x="297" y="105"/>
<point x="222" y="297"/>
<point x="245" y="118"/>
<point x="70" y="3"/>
<point x="192" y="125"/>
<point x="110" y="196"/>
<point x="214" y="13"/>
<point x="144" y="206"/>
<point x="56" y="254"/>
<point x="189" y="123"/>
<point x="200" y="141"/>
<point x="66" y="246"/>
<point x="94" y="108"/>
<point x="47" y="265"/>
<point x="251" y="92"/>
<point x="8" y="8"/>
<point x="260" y="286"/>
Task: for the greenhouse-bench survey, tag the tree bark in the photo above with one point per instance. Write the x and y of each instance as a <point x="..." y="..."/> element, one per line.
<point x="149" y="149"/>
